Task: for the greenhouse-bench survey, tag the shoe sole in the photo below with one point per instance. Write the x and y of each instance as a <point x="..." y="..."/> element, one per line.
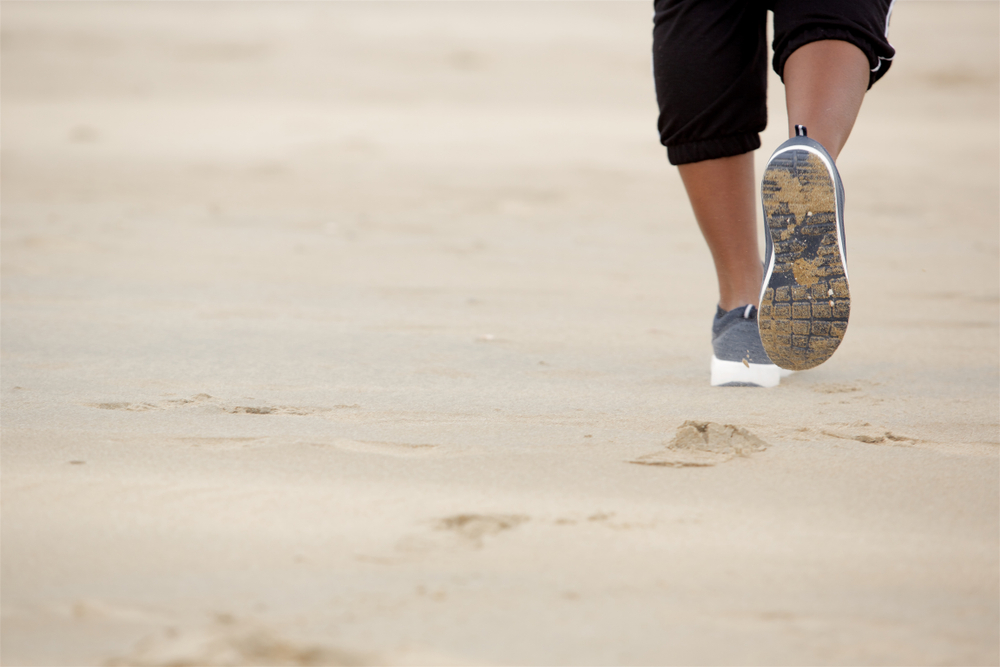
<point x="805" y="301"/>
<point x="738" y="374"/>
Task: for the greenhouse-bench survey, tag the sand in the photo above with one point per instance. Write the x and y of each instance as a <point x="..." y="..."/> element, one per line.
<point x="366" y="333"/>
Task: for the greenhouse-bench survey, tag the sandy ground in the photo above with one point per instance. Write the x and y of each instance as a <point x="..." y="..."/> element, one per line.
<point x="332" y="334"/>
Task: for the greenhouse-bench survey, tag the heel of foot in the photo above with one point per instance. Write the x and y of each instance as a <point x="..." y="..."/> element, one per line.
<point x="800" y="327"/>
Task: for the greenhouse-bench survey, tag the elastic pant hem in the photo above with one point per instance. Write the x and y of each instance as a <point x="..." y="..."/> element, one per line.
<point x="711" y="149"/>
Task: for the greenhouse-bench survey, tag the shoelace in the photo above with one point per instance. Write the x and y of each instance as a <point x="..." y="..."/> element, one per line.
<point x="748" y="312"/>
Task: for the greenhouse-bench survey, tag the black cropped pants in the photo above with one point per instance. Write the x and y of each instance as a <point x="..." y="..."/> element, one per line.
<point x="710" y="63"/>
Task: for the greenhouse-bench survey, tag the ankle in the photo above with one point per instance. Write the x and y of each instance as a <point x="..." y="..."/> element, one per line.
<point x="747" y="292"/>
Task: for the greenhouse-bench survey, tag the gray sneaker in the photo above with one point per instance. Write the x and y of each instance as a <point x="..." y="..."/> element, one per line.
<point x="805" y="300"/>
<point x="738" y="358"/>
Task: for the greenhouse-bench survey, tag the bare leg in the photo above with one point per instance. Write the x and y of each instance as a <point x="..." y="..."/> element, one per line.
<point x="825" y="83"/>
<point x="722" y="195"/>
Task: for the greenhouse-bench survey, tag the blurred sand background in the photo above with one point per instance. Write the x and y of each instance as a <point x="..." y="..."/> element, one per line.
<point x="331" y="333"/>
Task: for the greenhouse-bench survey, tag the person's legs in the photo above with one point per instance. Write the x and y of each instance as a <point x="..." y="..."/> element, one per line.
<point x="711" y="92"/>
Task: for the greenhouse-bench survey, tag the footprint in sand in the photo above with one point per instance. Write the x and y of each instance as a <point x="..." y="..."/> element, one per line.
<point x="281" y="410"/>
<point x="699" y="444"/>
<point x="604" y="519"/>
<point x="128" y="407"/>
<point x="474" y="527"/>
<point x="228" y="641"/>
<point x="835" y="388"/>
<point x="162" y="405"/>
<point x="219" y="444"/>
<point x="400" y="449"/>
<point x="886" y="438"/>
<point x="205" y="400"/>
<point x="468" y="530"/>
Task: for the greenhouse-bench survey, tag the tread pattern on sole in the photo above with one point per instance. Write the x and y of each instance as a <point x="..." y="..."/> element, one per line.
<point x="806" y="303"/>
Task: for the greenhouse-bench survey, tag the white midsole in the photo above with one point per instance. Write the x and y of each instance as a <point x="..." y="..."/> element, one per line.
<point x="726" y="372"/>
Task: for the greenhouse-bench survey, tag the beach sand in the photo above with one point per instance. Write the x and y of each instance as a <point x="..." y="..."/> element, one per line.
<point x="347" y="333"/>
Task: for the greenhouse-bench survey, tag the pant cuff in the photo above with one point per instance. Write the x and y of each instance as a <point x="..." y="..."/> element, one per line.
<point x="711" y="149"/>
